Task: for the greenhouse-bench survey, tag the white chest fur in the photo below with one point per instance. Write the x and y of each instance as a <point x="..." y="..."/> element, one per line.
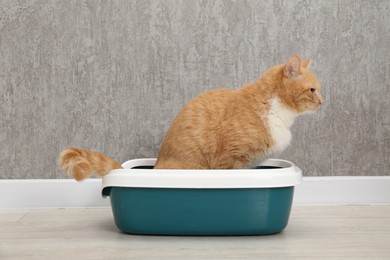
<point x="280" y="120"/>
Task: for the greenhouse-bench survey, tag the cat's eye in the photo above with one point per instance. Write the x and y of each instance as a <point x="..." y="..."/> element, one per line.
<point x="313" y="90"/>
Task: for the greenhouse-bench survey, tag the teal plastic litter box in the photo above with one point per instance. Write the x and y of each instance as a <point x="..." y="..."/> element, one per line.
<point x="201" y="202"/>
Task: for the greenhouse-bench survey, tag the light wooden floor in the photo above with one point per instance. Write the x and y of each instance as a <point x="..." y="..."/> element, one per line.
<point x="322" y="232"/>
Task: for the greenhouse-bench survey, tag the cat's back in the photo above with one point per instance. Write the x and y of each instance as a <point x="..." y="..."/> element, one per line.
<point x="204" y="111"/>
<point x="208" y="105"/>
<point x="192" y="132"/>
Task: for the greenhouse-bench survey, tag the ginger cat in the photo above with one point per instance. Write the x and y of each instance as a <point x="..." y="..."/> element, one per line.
<point x="224" y="128"/>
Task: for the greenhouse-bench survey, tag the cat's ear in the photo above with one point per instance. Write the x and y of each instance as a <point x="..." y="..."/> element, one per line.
<point x="293" y="67"/>
<point x="306" y="63"/>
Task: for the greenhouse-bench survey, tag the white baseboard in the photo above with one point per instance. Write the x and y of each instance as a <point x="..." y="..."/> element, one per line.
<point x="51" y="193"/>
<point x="69" y="193"/>
<point x="343" y="190"/>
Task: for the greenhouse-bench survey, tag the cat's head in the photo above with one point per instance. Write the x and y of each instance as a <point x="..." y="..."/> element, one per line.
<point x="299" y="89"/>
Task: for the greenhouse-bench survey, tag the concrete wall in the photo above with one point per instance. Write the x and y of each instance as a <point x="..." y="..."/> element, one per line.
<point x="111" y="75"/>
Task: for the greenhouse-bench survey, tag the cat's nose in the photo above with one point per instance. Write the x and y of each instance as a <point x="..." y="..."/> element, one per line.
<point x="321" y="101"/>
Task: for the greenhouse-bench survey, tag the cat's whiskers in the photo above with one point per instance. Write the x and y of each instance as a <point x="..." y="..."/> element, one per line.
<point x="309" y="111"/>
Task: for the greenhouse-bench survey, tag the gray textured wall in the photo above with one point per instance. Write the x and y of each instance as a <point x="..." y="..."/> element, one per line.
<point x="111" y="75"/>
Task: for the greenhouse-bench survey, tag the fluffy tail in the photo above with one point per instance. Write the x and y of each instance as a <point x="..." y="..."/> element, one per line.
<point x="81" y="164"/>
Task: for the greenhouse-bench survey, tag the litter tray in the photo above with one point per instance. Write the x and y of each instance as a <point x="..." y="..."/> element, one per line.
<point x="201" y="202"/>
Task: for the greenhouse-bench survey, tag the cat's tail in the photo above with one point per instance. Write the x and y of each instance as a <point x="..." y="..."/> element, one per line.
<point x="81" y="164"/>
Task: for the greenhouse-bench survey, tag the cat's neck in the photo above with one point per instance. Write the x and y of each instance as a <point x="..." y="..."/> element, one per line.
<point x="267" y="85"/>
<point x="266" y="91"/>
<point x="280" y="113"/>
<point x="272" y="78"/>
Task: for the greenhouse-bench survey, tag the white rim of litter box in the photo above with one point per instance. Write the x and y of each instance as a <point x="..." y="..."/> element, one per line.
<point x="289" y="175"/>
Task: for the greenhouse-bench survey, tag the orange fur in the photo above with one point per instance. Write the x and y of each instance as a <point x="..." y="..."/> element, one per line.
<point x="81" y="164"/>
<point x="223" y="128"/>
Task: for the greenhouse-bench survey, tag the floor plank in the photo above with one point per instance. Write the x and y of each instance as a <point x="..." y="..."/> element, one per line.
<point x="341" y="232"/>
<point x="12" y="215"/>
